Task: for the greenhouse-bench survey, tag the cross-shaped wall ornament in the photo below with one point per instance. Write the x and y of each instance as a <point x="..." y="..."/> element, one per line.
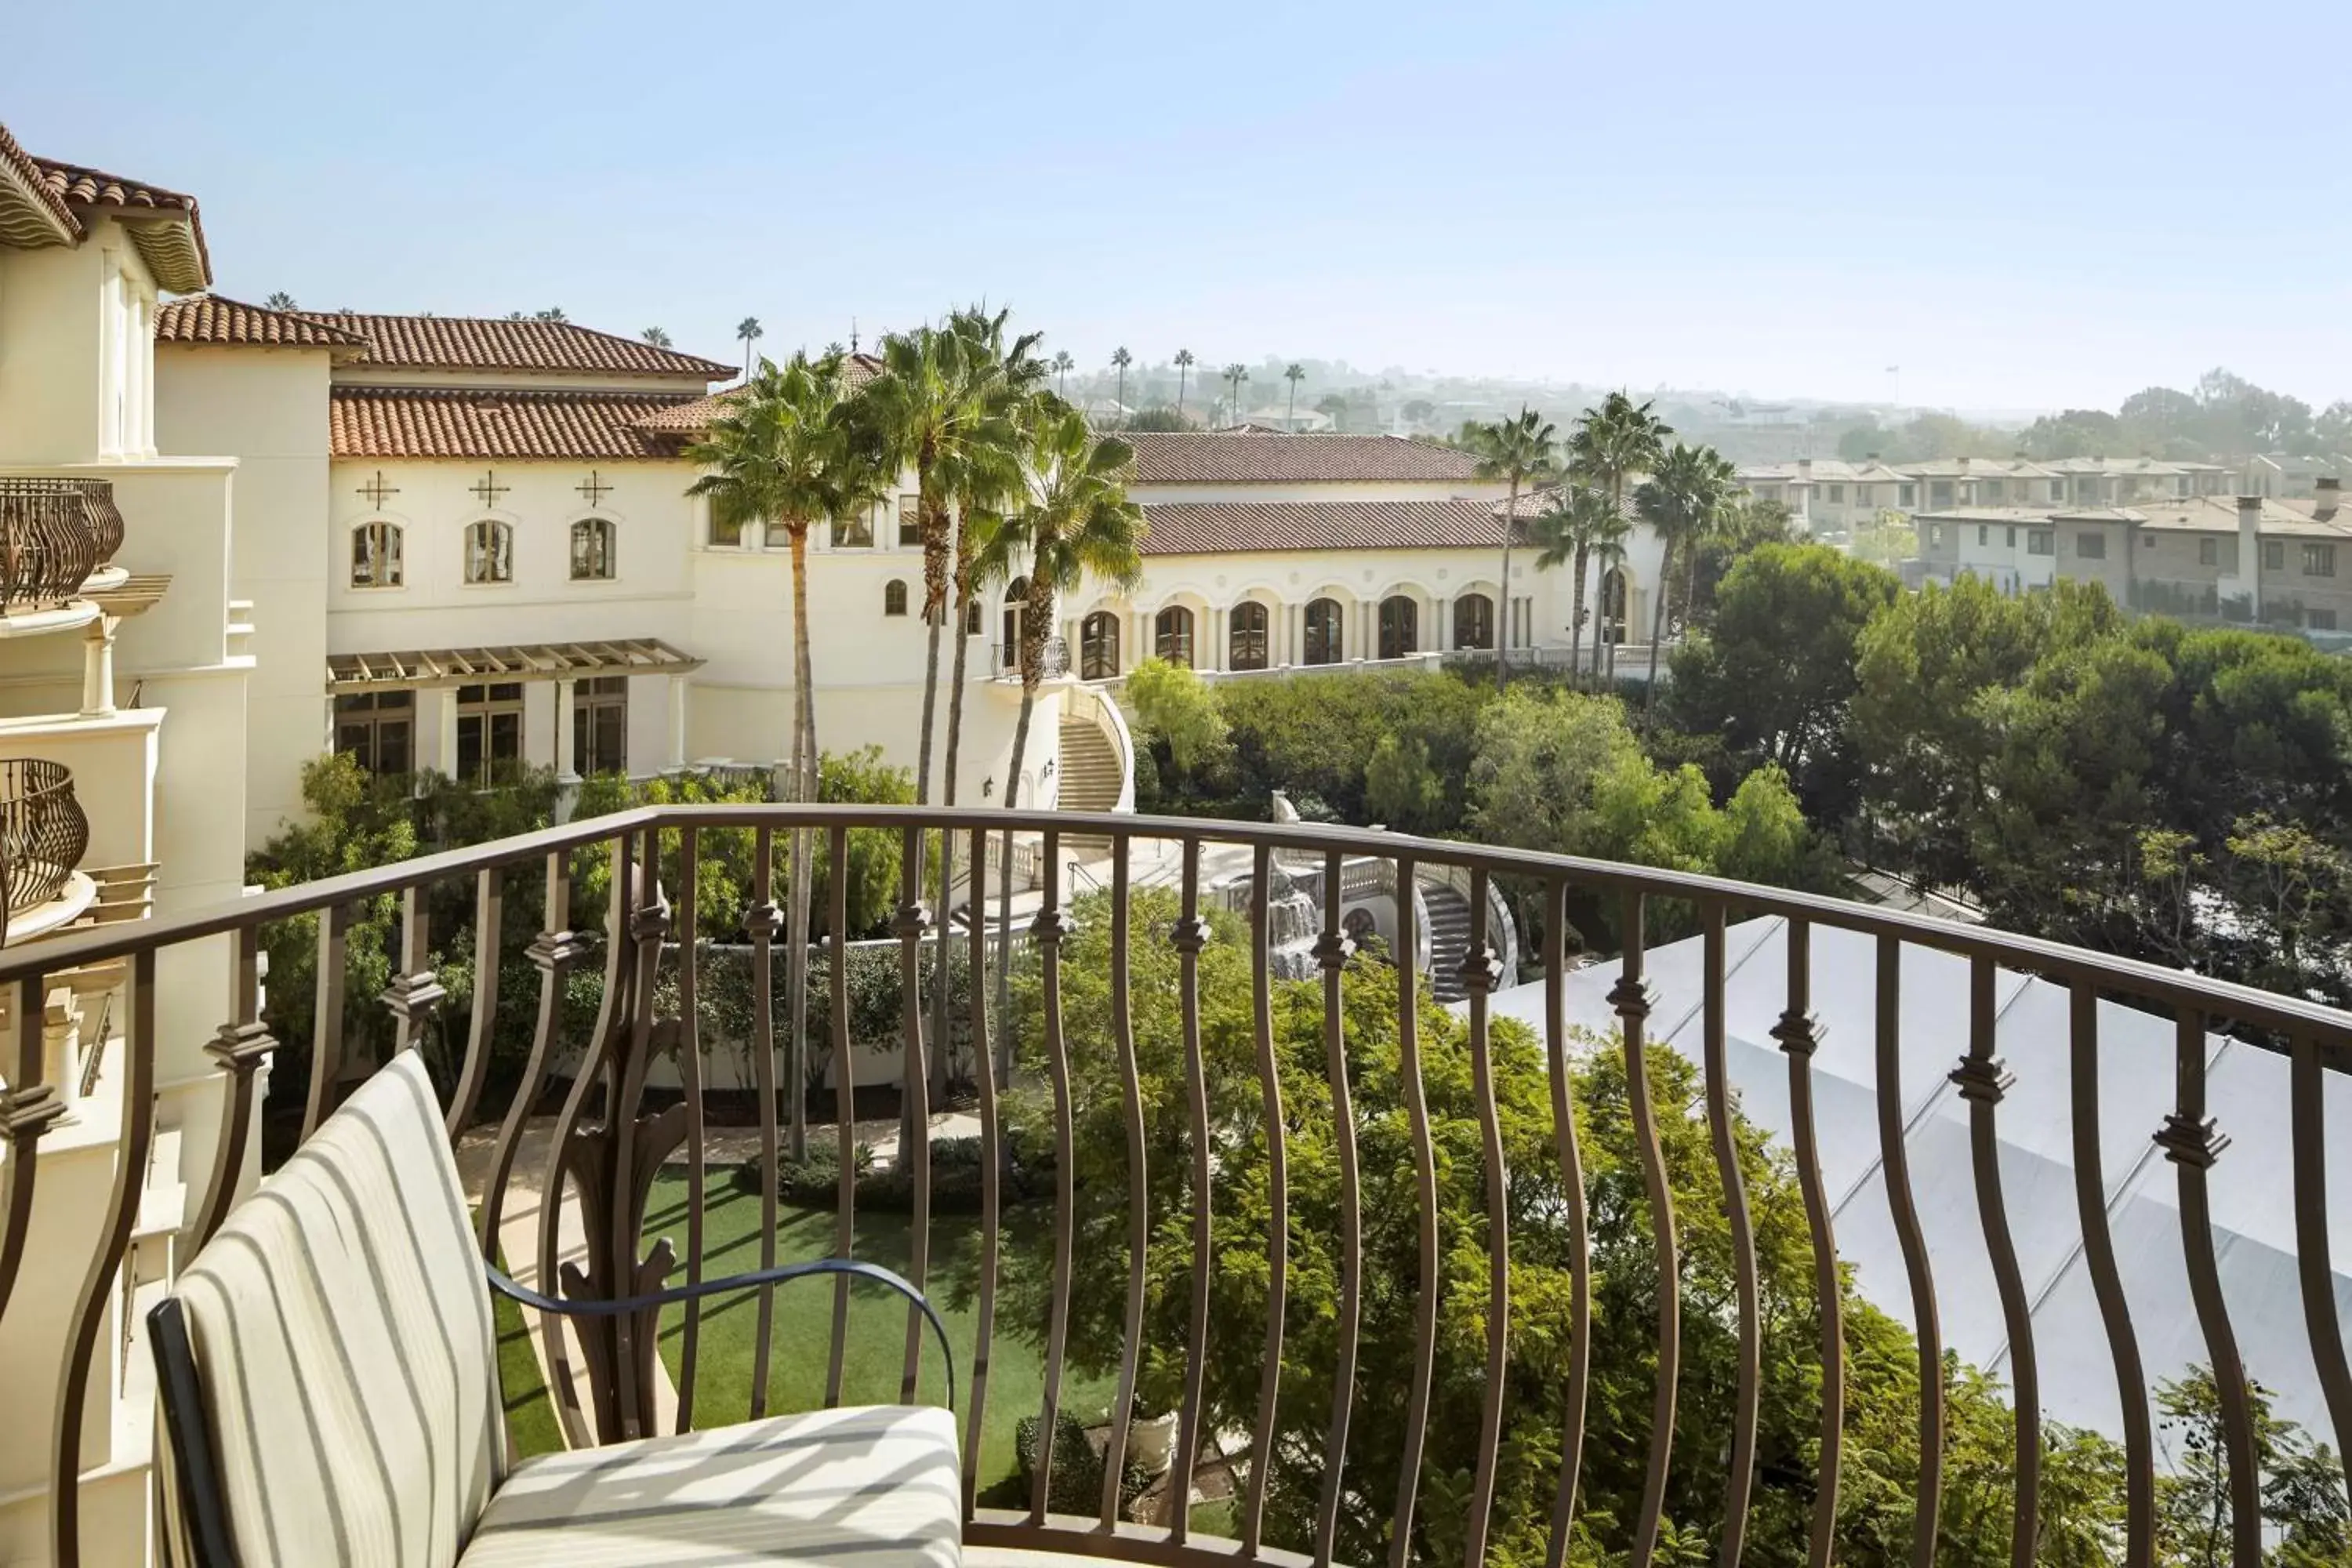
<point x="489" y="491"/>
<point x="595" y="491"/>
<point x="375" y="491"/>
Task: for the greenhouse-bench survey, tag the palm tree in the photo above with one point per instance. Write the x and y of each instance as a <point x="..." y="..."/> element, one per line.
<point x="280" y="300"/>
<point x="1295" y="374"/>
<point x="552" y="313"/>
<point x="1566" y="532"/>
<point x="782" y="454"/>
<point x="749" y="332"/>
<point x="1524" y="452"/>
<point x="656" y="336"/>
<point x="1122" y="359"/>
<point x="1610" y="444"/>
<point x="1072" y="521"/>
<point x="1183" y="366"/>
<point x="1683" y="503"/>
<point x="1237" y="373"/>
<point x="1063" y="364"/>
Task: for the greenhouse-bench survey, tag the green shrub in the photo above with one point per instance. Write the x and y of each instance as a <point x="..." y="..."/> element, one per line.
<point x="1077" y="1484"/>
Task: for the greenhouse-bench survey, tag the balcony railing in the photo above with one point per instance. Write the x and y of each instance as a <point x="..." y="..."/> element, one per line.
<point x="42" y="833"/>
<point x="54" y="532"/>
<point x="1004" y="659"/>
<point x="1375" y="1162"/>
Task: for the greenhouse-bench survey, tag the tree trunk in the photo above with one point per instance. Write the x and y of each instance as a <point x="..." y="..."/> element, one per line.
<point x="941" y="990"/>
<point x="935" y="611"/>
<point x="1576" y="616"/>
<point x="1658" y="623"/>
<point x="804" y="769"/>
<point x="1032" y="674"/>
<point x="1502" y="627"/>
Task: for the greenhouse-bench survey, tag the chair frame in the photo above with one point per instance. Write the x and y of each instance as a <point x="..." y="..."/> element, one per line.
<point x="180" y="1386"/>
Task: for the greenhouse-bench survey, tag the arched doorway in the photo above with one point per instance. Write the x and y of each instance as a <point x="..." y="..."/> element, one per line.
<point x="1325" y="641"/>
<point x="1474" y="621"/>
<point x="1612" y="605"/>
<point x="1099" y="647"/>
<point x="1245" y="642"/>
<point x="1171" y="636"/>
<point x="1400" y="626"/>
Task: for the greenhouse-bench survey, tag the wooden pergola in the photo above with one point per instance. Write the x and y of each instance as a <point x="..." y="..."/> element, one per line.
<point x="420" y="669"/>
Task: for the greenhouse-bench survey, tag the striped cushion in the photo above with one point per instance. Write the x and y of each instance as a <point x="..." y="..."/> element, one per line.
<point x="874" y="1487"/>
<point x="342" y="1332"/>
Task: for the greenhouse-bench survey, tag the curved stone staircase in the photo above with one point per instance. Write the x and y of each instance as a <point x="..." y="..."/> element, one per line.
<point x="1449" y="938"/>
<point x="1089" y="779"/>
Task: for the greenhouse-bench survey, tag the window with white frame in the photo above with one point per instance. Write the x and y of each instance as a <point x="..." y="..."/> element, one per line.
<point x="490" y="733"/>
<point x="600" y="725"/>
<point x="376" y="555"/>
<point x="593" y="553"/>
<point x="489" y="552"/>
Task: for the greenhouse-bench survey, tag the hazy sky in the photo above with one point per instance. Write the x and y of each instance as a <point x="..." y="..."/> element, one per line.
<point x="2020" y="204"/>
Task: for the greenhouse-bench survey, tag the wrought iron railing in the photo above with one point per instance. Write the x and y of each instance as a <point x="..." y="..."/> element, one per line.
<point x="1004" y="659"/>
<point x="42" y="833"/>
<point x="1247" y="1137"/>
<point x="54" y="532"/>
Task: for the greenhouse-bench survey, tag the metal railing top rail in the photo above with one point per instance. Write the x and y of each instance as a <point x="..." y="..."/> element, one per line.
<point x="2219" y="999"/>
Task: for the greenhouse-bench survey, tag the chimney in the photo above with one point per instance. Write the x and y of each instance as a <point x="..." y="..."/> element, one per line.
<point x="2330" y="494"/>
<point x="1870" y="457"/>
<point x="1964" y="465"/>
<point x="2250" y="550"/>
<point x="1804" y="468"/>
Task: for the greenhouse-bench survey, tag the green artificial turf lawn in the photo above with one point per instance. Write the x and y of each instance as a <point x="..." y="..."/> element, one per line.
<point x="531" y="1426"/>
<point x="874" y="1354"/>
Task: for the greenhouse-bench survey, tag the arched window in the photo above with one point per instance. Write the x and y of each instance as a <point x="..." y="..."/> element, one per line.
<point x="1612" y="605"/>
<point x="1016" y="616"/>
<point x="489" y="552"/>
<point x="1474" y="621"/>
<point x="973" y="619"/>
<point x="1400" y="626"/>
<point x="1099" y="647"/>
<point x="1246" y="641"/>
<point x="1171" y="636"/>
<point x="1326" y="643"/>
<point x="894" y="597"/>
<point x="593" y="550"/>
<point x="376" y="555"/>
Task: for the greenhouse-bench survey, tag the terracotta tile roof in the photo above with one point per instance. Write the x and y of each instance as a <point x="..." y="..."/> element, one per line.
<point x="1208" y="528"/>
<point x="23" y="181"/>
<point x="432" y="422"/>
<point x="463" y="342"/>
<point x="211" y="319"/>
<point x="693" y="418"/>
<point x="1262" y="457"/>
<point x="177" y="255"/>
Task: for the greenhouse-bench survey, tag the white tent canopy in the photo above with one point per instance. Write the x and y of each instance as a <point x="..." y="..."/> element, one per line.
<point x="2252" y="1185"/>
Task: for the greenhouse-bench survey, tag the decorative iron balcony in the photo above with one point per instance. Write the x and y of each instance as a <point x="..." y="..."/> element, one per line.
<point x="42" y="833"/>
<point x="1004" y="659"/>
<point x="53" y="533"/>
<point x="1270" y="1189"/>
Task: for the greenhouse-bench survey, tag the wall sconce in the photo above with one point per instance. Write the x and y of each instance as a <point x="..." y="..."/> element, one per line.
<point x="988" y="787"/>
<point x="1049" y="768"/>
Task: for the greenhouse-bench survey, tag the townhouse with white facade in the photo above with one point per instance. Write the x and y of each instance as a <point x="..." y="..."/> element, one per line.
<point x="1827" y="495"/>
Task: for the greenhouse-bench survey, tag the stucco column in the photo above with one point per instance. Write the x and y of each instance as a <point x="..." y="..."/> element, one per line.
<point x="98" y="668"/>
<point x="677" y="721"/>
<point x="446" y="727"/>
<point x="1214" y="656"/>
<point x="563" y="758"/>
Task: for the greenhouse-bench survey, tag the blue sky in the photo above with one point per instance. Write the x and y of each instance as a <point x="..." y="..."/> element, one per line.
<point x="2020" y="204"/>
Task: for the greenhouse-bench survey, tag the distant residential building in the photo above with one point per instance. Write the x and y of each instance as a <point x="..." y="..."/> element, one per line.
<point x="1828" y="495"/>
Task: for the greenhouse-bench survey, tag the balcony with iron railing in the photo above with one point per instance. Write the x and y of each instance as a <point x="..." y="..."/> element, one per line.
<point x="43" y="836"/>
<point x="1248" y="1184"/>
<point x="55" y="535"/>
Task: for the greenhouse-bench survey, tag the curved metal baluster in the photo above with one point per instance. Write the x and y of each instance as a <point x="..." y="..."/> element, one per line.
<point x="489" y="904"/>
<point x="1482" y="972"/>
<point x="1139" y="1193"/>
<point x="1332" y="951"/>
<point x="1580" y="1255"/>
<point x="1190" y="935"/>
<point x="2308" y="1111"/>
<point x="1048" y="930"/>
<point x="648" y="924"/>
<point x="761" y="920"/>
<point x="552" y="953"/>
<point x="1743" y="1242"/>
<point x="916" y="1084"/>
<point x="1425" y="1165"/>
<point x="845" y="1105"/>
<point x="415" y="994"/>
<point x="2192" y="1141"/>
<point x="1894" y="1165"/>
<point x="26" y="1110"/>
<point x="1983" y="1080"/>
<point x="240" y="1046"/>
<point x="1277" y="1199"/>
<point x="2107" y="1280"/>
<point x="561" y="1387"/>
<point x="1799" y="1037"/>
<point x="983" y="1067"/>
<point x="99" y="1283"/>
<point x="689" y="1079"/>
<point x="327" y="1027"/>
<point x="1630" y="997"/>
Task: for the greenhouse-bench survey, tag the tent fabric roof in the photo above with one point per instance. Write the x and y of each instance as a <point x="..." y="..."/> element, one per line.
<point x="2250" y="1185"/>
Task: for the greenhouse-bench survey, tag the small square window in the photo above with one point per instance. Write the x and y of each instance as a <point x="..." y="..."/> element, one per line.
<point x="910" y="520"/>
<point x="2319" y="561"/>
<point x="2209" y="552"/>
<point x="2041" y="542"/>
<point x="2273" y="555"/>
<point x="2089" y="546"/>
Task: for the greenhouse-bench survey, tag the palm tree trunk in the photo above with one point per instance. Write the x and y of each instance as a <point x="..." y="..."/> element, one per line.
<point x="804" y="870"/>
<point x="941" y="991"/>
<point x="1502" y="627"/>
<point x="1658" y="621"/>
<point x="935" y="547"/>
<point x="1576" y="619"/>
